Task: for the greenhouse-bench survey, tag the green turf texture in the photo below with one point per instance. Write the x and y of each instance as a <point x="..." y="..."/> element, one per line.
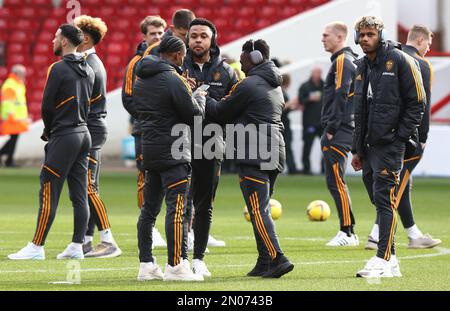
<point x="316" y="267"/>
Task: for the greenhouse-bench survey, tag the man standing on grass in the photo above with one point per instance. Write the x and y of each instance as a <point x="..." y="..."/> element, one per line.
<point x="65" y="108"/>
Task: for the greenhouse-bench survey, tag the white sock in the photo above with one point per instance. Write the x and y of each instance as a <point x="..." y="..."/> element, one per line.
<point x="414" y="232"/>
<point x="76" y="246"/>
<point x="106" y="236"/>
<point x="87" y="239"/>
<point x="375" y="232"/>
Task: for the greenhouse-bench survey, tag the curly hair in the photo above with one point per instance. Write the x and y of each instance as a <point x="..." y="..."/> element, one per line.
<point x="94" y="26"/>
<point x="371" y="22"/>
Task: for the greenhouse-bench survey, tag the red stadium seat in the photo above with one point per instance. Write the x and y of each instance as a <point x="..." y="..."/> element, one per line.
<point x="17" y="59"/>
<point x="20" y="36"/>
<point x="268" y="11"/>
<point x="246" y="12"/>
<point x="17" y="48"/>
<point x="43" y="48"/>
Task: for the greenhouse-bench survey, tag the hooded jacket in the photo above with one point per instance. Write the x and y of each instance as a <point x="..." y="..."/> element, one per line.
<point x="218" y="75"/>
<point x="162" y="100"/>
<point x="65" y="103"/>
<point x="255" y="102"/>
<point x="427" y="77"/>
<point x="97" y="113"/>
<point x="337" y="107"/>
<point x="389" y="98"/>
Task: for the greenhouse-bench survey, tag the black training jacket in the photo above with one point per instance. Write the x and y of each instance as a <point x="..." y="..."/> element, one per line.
<point x="398" y="98"/>
<point x="68" y="90"/>
<point x="255" y="101"/>
<point x="427" y="76"/>
<point x="337" y="103"/>
<point x="97" y="113"/>
<point x="162" y="100"/>
<point x="130" y="78"/>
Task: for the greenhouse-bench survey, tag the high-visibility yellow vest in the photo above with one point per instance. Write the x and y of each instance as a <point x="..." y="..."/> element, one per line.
<point x="14" y="111"/>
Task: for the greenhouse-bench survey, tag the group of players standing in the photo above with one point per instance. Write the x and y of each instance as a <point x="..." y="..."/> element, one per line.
<point x="377" y="107"/>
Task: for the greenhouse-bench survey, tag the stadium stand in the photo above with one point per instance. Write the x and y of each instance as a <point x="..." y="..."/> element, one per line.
<point x="27" y="29"/>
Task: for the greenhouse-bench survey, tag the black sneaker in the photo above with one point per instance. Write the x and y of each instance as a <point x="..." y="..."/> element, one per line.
<point x="261" y="267"/>
<point x="278" y="267"/>
<point x="87" y="247"/>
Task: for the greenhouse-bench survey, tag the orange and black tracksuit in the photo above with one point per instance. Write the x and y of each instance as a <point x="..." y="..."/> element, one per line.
<point x="206" y="169"/>
<point x="257" y="102"/>
<point x="128" y="104"/>
<point x="411" y="160"/>
<point x="389" y="103"/>
<point x="65" y="108"/>
<point x="99" y="132"/>
<point x="163" y="101"/>
<point x="337" y="119"/>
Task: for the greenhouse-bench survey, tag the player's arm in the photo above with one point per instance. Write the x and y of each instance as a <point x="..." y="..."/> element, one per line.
<point x="127" y="87"/>
<point x="427" y="74"/>
<point x="344" y="75"/>
<point x="185" y="104"/>
<point x="49" y="100"/>
<point x="229" y="108"/>
<point x="413" y="95"/>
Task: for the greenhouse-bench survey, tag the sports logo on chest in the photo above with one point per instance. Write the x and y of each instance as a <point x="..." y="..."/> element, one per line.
<point x="389" y="65"/>
<point x="217" y="76"/>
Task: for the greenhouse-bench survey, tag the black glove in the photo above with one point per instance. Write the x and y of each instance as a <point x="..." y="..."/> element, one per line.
<point x="45" y="136"/>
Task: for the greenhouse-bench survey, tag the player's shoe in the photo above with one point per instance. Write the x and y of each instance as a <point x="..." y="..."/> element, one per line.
<point x="278" y="267"/>
<point x="157" y="239"/>
<point x="425" y="241"/>
<point x="30" y="251"/>
<point x="150" y="271"/>
<point x="104" y="250"/>
<point x="199" y="267"/>
<point x="376" y="268"/>
<point x="72" y="251"/>
<point x="261" y="267"/>
<point x="342" y="239"/>
<point x="215" y="243"/>
<point x="395" y="267"/>
<point x="180" y="273"/>
<point x="87" y="247"/>
<point x="371" y="243"/>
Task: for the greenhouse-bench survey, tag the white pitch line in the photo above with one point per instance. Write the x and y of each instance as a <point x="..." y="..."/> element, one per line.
<point x="440" y="252"/>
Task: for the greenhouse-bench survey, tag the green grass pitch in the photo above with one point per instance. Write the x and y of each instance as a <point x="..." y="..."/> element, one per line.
<point x="316" y="267"/>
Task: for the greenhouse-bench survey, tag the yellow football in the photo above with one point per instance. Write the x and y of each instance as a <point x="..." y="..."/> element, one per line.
<point x="275" y="210"/>
<point x="318" y="210"/>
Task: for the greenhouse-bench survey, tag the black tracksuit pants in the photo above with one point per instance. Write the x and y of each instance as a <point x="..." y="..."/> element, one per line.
<point x="335" y="159"/>
<point x="173" y="184"/>
<point x="141" y="170"/>
<point x="205" y="179"/>
<point x="257" y="188"/>
<point x="65" y="158"/>
<point x="8" y="149"/>
<point x="98" y="214"/>
<point x="309" y="134"/>
<point x="404" y="193"/>
<point x="381" y="170"/>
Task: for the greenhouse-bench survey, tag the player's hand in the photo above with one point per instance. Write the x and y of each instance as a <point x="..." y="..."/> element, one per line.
<point x="423" y="145"/>
<point x="192" y="82"/>
<point x="44" y="136"/>
<point x="357" y="162"/>
<point x="330" y="136"/>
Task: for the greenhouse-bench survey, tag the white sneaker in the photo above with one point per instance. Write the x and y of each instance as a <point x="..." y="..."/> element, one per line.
<point x="72" y="251"/>
<point x="157" y="238"/>
<point x="30" y="251"/>
<point x="395" y="266"/>
<point x="342" y="239"/>
<point x="215" y="243"/>
<point x="149" y="271"/>
<point x="376" y="268"/>
<point x="424" y="241"/>
<point x="186" y="263"/>
<point x="180" y="273"/>
<point x="199" y="267"/>
<point x="190" y="240"/>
